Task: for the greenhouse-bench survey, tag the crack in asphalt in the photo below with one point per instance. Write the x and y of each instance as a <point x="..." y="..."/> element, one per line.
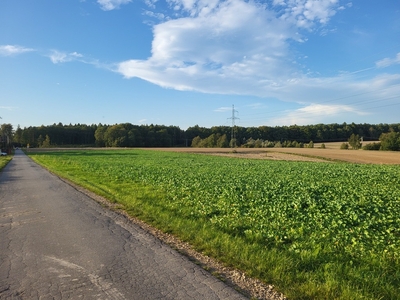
<point x="104" y="286"/>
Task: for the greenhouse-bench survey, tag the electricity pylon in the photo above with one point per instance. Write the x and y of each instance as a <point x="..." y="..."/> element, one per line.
<point x="233" y="118"/>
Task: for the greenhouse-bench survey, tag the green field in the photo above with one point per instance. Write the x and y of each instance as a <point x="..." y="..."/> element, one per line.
<point x="314" y="230"/>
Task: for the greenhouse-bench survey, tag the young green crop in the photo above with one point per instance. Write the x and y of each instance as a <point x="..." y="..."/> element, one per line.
<point x="337" y="225"/>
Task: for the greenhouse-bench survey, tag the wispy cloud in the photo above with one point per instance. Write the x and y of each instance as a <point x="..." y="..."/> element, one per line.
<point x="55" y="56"/>
<point x="61" y="57"/>
<point x="386" y="62"/>
<point x="223" y="109"/>
<point x="111" y="4"/>
<point x="256" y="105"/>
<point x="324" y="110"/>
<point x="10" y="108"/>
<point x="151" y="3"/>
<point x="159" y="16"/>
<point x="8" y="50"/>
<point x="315" y="113"/>
<point x="323" y="102"/>
<point x="305" y="13"/>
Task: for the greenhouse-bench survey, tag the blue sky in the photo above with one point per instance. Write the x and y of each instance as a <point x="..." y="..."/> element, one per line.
<point x="186" y="62"/>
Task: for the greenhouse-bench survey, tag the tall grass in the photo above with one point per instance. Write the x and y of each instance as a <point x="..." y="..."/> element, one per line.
<point x="314" y="230"/>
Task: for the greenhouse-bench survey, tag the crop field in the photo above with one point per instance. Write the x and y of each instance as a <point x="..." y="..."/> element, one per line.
<point x="315" y="230"/>
<point x="331" y="153"/>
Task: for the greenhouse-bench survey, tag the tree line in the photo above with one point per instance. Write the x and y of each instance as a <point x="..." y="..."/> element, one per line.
<point x="299" y="136"/>
<point x="118" y="135"/>
<point x="129" y="135"/>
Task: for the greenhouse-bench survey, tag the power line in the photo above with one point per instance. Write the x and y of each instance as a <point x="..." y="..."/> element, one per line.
<point x="339" y="98"/>
<point x="264" y="115"/>
<point x="303" y="113"/>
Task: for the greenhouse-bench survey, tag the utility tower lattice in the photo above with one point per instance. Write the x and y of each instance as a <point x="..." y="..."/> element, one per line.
<point x="233" y="118"/>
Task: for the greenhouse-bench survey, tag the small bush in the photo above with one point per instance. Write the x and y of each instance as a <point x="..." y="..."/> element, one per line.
<point x="372" y="146"/>
<point x="322" y="146"/>
<point x="344" y="146"/>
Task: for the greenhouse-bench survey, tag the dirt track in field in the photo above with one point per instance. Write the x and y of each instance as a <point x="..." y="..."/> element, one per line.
<point x="332" y="152"/>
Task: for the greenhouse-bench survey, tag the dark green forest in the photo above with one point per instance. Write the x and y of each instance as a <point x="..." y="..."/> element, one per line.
<point x="129" y="135"/>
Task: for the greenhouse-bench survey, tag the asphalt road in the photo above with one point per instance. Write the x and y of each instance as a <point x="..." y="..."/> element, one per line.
<point x="57" y="243"/>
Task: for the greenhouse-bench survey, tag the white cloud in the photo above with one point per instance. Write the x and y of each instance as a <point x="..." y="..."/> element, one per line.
<point x="228" y="47"/>
<point x="195" y="7"/>
<point x="256" y="105"/>
<point x="223" y="109"/>
<point x="305" y="13"/>
<point x="386" y="62"/>
<point x="324" y="110"/>
<point x="243" y="47"/>
<point x="151" y="3"/>
<point x="316" y="113"/>
<point x="152" y="14"/>
<point x="111" y="4"/>
<point x="61" y="57"/>
<point x="202" y="53"/>
<point x="7" y="50"/>
<point x="10" y="108"/>
<point x="323" y="102"/>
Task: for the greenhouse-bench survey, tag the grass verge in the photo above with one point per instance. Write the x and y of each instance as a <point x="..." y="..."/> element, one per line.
<point x="4" y="160"/>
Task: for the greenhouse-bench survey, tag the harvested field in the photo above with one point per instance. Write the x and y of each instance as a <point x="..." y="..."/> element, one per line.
<point x="331" y="153"/>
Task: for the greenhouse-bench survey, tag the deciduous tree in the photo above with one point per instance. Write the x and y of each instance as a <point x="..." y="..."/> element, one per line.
<point x="354" y="141"/>
<point x="390" y="141"/>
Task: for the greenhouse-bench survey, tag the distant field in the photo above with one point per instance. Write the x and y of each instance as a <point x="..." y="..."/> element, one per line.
<point x="331" y="152"/>
<point x="315" y="230"/>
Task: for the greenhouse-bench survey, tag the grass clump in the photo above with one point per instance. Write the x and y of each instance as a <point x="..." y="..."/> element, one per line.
<point x="4" y="160"/>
